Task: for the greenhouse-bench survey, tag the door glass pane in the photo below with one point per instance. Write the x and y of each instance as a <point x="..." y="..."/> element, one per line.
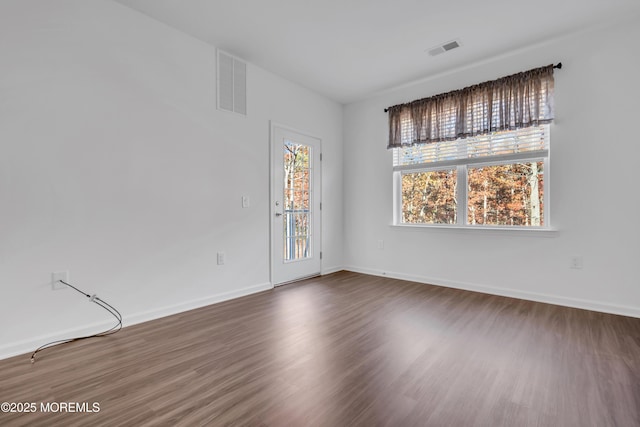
<point x="297" y="193"/>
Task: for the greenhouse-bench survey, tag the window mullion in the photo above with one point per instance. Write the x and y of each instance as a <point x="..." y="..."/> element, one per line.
<point x="461" y="184"/>
<point x="461" y="195"/>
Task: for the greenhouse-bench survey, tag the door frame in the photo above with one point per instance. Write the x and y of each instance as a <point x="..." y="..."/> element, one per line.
<point x="273" y="125"/>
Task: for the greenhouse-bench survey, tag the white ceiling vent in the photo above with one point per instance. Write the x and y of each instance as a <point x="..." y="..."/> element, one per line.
<point x="232" y="83"/>
<point x="445" y="47"/>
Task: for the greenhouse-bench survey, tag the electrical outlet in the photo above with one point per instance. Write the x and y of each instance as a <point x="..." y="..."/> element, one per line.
<point x="246" y="202"/>
<point x="221" y="258"/>
<point x="576" y="262"/>
<point x="380" y="244"/>
<point x="56" y="276"/>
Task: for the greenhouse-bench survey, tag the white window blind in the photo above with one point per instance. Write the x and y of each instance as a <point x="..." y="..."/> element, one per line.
<point x="531" y="142"/>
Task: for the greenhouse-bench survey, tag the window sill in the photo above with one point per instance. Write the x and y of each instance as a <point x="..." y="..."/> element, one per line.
<point x="504" y="231"/>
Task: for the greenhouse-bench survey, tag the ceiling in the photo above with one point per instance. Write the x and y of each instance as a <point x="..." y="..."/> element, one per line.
<point x="349" y="49"/>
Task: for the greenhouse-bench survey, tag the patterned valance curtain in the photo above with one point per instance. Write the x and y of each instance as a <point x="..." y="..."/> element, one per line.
<point x="513" y="102"/>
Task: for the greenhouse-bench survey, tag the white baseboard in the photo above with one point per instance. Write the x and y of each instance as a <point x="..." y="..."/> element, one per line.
<point x="193" y="304"/>
<point x="330" y="270"/>
<point x="530" y="296"/>
<point x="28" y="346"/>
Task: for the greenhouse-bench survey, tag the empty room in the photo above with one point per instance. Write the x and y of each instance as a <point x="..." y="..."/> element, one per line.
<point x="322" y="213"/>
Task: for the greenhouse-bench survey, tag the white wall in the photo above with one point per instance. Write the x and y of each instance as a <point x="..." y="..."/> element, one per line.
<point x="593" y="178"/>
<point x="116" y="165"/>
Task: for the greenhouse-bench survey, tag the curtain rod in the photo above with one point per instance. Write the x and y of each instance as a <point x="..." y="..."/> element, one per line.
<point x="558" y="66"/>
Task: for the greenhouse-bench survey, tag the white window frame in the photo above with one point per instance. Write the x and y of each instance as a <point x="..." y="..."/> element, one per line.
<point x="461" y="167"/>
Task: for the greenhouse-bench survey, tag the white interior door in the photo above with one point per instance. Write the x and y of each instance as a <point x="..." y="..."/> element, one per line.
<point x="295" y="205"/>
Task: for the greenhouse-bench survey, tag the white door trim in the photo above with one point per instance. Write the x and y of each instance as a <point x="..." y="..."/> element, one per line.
<point x="273" y="125"/>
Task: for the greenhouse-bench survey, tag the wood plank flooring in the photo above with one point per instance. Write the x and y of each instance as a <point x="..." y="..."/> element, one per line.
<point x="346" y="350"/>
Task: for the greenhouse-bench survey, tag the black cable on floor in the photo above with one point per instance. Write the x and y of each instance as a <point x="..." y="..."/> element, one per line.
<point x="94" y="299"/>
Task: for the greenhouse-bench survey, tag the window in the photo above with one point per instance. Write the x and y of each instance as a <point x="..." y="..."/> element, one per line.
<point x="477" y="156"/>
<point x="492" y="180"/>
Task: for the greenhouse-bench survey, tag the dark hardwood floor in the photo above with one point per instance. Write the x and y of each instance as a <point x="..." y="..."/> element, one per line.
<point x="346" y="350"/>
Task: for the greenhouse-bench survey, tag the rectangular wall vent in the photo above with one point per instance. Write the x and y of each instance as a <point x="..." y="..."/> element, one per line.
<point x="232" y="83"/>
<point x="444" y="47"/>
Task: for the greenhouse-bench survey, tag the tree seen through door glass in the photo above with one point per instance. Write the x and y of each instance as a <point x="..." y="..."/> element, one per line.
<point x="297" y="216"/>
